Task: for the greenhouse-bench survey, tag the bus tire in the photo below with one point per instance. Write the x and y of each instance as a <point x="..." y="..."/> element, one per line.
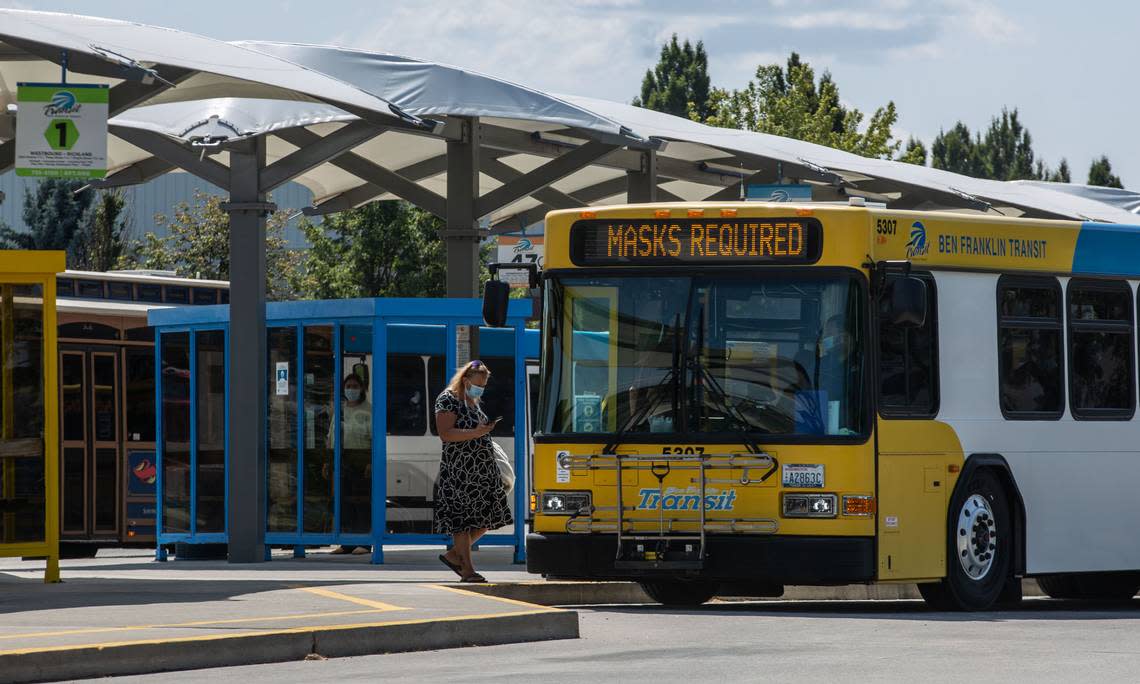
<point x="1090" y="587"/>
<point x="979" y="547"/>
<point x="680" y="592"/>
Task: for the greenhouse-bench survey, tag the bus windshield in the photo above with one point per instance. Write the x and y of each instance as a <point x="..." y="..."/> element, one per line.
<point x="768" y="355"/>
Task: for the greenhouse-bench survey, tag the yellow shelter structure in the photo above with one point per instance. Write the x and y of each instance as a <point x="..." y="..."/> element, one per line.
<point x="29" y="407"/>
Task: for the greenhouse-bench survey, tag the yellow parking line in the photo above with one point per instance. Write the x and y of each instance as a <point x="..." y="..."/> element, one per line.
<point x="175" y="625"/>
<point x="377" y="605"/>
<point x="514" y="602"/>
<point x="269" y="632"/>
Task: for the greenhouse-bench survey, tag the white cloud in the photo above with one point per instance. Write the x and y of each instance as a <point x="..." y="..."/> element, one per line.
<point x="851" y="19"/>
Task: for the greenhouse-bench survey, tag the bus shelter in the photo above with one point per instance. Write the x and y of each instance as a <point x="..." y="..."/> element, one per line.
<point x="329" y="400"/>
<point x="29" y="408"/>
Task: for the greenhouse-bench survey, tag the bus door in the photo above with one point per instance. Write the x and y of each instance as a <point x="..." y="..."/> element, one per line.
<point x="90" y="420"/>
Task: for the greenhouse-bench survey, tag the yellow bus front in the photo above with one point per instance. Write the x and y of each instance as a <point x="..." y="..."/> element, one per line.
<point x="705" y="421"/>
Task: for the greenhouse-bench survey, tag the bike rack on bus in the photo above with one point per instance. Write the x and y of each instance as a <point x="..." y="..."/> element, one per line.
<point x="753" y="469"/>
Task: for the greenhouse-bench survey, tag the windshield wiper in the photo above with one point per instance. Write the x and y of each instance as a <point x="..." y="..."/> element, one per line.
<point x="705" y="377"/>
<point x="655" y="394"/>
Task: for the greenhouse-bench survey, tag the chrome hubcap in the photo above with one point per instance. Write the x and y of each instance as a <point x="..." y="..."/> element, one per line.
<point x="976" y="537"/>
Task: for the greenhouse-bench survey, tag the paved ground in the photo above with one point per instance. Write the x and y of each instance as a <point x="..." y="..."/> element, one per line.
<point x="125" y="608"/>
<point x="1044" y="641"/>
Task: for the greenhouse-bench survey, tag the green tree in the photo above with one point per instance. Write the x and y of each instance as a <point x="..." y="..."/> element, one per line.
<point x="100" y="241"/>
<point x="679" y="83"/>
<point x="382" y="249"/>
<point x="1004" y="153"/>
<point x="789" y="102"/>
<point x="52" y="212"/>
<point x="915" y="152"/>
<point x="197" y="246"/>
<point x="1061" y="175"/>
<point x="1100" y="173"/>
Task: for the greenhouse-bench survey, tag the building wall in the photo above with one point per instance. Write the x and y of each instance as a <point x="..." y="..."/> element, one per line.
<point x="159" y="196"/>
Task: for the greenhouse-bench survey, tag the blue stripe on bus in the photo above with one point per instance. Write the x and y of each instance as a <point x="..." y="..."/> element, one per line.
<point x="1107" y="249"/>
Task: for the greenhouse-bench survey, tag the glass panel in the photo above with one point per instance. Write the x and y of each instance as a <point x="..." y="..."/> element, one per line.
<point x="74" y="499"/>
<point x="437" y="380"/>
<point x="1087" y="304"/>
<point x="499" y="399"/>
<point x="1030" y="302"/>
<point x="125" y="291"/>
<point x="205" y="295"/>
<point x="143" y="333"/>
<point x="106" y="489"/>
<point x="22" y="483"/>
<point x="282" y="513"/>
<point x="89" y="331"/>
<point x="71" y="397"/>
<point x="908" y="375"/>
<point x="771" y="355"/>
<point x="176" y="432"/>
<point x="356" y="435"/>
<point x="177" y="294"/>
<point x="140" y="394"/>
<point x="65" y="287"/>
<point x="320" y="370"/>
<point x="407" y="389"/>
<point x="1102" y="371"/>
<point x="211" y="483"/>
<point x="91" y="289"/>
<point x="104" y="417"/>
<point x="1031" y="370"/>
<point x="150" y="292"/>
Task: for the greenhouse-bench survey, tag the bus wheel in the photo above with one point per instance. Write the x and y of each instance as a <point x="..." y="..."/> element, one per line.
<point x="680" y="592"/>
<point x="979" y="547"/>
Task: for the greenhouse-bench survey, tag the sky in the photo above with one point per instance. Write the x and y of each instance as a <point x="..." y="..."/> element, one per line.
<point x="1064" y="66"/>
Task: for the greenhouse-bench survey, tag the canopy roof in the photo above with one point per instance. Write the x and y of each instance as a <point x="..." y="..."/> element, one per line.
<point x="353" y="126"/>
<point x="150" y="65"/>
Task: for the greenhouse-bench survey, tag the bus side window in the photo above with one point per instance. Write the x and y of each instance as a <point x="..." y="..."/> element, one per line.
<point x="1029" y="348"/>
<point x="1101" y="377"/>
<point x="908" y="363"/>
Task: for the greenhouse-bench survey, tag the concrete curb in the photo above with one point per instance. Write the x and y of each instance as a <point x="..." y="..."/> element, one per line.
<point x="146" y="657"/>
<point x="565" y="593"/>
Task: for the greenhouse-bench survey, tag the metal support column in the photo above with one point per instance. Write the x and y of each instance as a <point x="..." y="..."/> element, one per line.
<point x="461" y="234"/>
<point x="248" y="382"/>
<point x="641" y="185"/>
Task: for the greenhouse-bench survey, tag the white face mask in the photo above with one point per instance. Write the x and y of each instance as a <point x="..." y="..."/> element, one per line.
<point x="352" y="394"/>
<point x="828" y="343"/>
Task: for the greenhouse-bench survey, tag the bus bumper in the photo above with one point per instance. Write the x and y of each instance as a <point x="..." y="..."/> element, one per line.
<point x="775" y="559"/>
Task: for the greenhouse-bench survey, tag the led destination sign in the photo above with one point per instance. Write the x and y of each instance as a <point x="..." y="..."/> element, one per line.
<point x="630" y="242"/>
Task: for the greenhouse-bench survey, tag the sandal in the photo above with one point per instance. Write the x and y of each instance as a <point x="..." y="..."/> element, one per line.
<point x="473" y="579"/>
<point x="452" y="566"/>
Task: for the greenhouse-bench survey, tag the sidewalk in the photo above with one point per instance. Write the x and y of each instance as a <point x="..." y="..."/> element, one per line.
<point x="126" y="614"/>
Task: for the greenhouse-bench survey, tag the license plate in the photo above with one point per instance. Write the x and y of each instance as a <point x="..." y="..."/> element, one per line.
<point x="802" y="475"/>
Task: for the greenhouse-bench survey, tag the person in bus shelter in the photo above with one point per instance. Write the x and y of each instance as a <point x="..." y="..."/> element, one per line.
<point x="355" y="460"/>
<point x="470" y="497"/>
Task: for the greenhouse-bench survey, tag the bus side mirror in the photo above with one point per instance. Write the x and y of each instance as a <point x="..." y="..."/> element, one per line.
<point x="906" y="302"/>
<point x="496" y="293"/>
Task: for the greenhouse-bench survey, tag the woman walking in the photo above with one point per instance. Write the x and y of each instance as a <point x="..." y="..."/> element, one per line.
<point x="470" y="497"/>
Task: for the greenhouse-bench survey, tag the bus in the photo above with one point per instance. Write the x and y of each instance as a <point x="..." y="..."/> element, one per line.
<point x="742" y="396"/>
<point x="106" y="375"/>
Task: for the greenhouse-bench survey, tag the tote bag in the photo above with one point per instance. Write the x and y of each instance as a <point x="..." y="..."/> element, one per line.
<point x="503" y="463"/>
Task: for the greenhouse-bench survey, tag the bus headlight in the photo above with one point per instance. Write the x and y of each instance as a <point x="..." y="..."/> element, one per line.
<point x="809" y="505"/>
<point x="565" y="503"/>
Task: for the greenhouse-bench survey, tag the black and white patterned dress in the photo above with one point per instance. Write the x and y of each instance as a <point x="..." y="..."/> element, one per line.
<point x="469" y="495"/>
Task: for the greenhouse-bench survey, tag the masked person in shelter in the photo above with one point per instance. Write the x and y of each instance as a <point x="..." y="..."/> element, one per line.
<point x="356" y="461"/>
<point x="470" y="496"/>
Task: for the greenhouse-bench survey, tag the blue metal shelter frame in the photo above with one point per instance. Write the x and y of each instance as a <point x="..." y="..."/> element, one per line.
<point x="377" y="314"/>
